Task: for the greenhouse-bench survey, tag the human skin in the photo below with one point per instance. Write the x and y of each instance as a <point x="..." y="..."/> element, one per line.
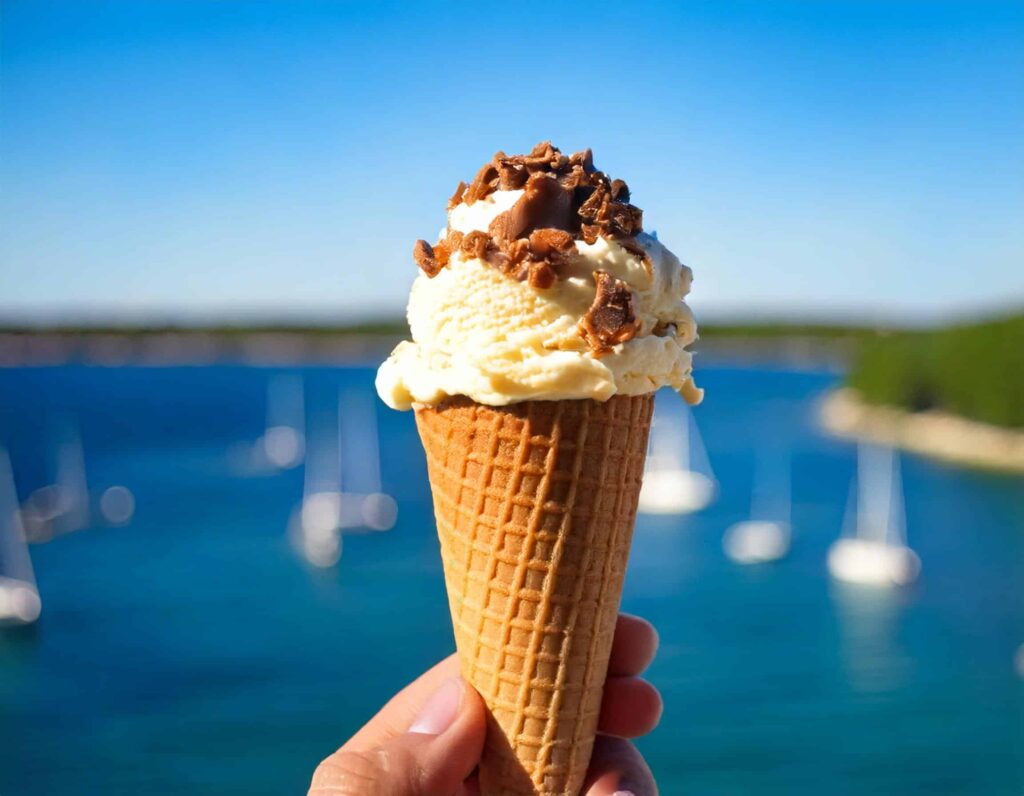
<point x="427" y="740"/>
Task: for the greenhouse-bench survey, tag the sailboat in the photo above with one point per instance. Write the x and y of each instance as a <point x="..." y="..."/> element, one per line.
<point x="766" y="535"/>
<point x="283" y="443"/>
<point x="678" y="477"/>
<point x="63" y="506"/>
<point x="357" y="417"/>
<point x="315" y="527"/>
<point x="327" y="508"/>
<point x="876" y="553"/>
<point x="19" y="595"/>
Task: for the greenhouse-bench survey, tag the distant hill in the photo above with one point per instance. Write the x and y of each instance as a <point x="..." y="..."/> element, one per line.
<point x="973" y="370"/>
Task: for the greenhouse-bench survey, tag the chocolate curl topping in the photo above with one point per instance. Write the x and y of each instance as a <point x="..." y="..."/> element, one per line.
<point x="551" y="244"/>
<point x="560" y="192"/>
<point x="603" y="214"/>
<point x="484" y="184"/>
<point x="611" y="319"/>
<point x="539" y="275"/>
<point x="423" y="254"/>
<point x="456" y="198"/>
<point x="512" y="176"/>
<point x="477" y="245"/>
<point x="584" y="159"/>
<point x="431" y="259"/>
<point x="564" y="199"/>
<point x="544" y="203"/>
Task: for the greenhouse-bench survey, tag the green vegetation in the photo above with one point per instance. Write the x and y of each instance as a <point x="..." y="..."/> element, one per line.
<point x="973" y="370"/>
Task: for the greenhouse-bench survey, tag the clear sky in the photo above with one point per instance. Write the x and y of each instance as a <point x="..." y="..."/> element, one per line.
<point x="189" y="158"/>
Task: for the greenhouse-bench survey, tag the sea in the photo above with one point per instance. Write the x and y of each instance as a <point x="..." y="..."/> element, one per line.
<point x="186" y="645"/>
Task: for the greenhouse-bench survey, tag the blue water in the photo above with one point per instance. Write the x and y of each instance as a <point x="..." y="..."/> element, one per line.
<point x="193" y="652"/>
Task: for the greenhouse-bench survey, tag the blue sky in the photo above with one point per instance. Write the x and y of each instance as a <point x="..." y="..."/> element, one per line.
<point x="203" y="159"/>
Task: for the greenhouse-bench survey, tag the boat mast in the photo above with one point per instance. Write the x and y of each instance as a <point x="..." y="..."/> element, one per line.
<point x="770" y="499"/>
<point x="875" y="492"/>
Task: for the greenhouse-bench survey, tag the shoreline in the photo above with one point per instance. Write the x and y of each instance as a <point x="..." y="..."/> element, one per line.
<point x="936" y="434"/>
<point x="269" y="346"/>
<point x="191" y="347"/>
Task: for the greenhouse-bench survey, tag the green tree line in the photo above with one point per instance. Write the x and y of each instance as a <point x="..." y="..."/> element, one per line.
<point x="974" y="370"/>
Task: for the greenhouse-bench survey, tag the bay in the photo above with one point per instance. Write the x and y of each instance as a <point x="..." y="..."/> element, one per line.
<point x="193" y="651"/>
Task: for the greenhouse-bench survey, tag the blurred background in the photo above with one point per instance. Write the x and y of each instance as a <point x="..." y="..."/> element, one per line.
<point x="217" y="554"/>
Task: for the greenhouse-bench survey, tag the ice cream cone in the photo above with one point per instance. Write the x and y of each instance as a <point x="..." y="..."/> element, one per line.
<point x="543" y="320"/>
<point x="535" y="504"/>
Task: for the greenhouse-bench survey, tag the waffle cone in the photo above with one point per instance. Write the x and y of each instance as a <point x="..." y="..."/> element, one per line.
<point x="535" y="504"/>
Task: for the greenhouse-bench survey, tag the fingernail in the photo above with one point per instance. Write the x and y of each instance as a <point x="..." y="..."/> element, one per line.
<point x="441" y="709"/>
<point x="623" y="793"/>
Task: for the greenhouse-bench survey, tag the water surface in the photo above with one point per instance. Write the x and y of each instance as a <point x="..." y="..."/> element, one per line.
<point x="193" y="652"/>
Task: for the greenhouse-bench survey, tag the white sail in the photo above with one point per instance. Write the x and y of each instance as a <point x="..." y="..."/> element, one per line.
<point x="19" y="595"/>
<point x="873" y="549"/>
<point x="377" y="510"/>
<point x="342" y="480"/>
<point x="62" y="506"/>
<point x="71" y="483"/>
<point x="316" y="524"/>
<point x="677" y="477"/>
<point x="283" y="442"/>
<point x="766" y="535"/>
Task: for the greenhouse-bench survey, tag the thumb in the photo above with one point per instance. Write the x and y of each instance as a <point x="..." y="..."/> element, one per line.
<point x="432" y="757"/>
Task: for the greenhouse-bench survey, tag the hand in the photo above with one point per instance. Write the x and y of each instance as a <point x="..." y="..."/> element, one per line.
<point x="427" y="740"/>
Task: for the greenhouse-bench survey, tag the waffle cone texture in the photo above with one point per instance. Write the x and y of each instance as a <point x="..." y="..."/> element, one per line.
<point x="535" y="504"/>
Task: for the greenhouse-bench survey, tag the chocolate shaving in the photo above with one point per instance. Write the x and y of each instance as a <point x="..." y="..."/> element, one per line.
<point x="477" y="245"/>
<point x="456" y="198"/>
<point x="516" y="251"/>
<point x="590" y="233"/>
<point x="584" y="159"/>
<point x="574" y="180"/>
<point x="543" y="157"/>
<point x="589" y="198"/>
<point x="554" y="245"/>
<point x="484" y="184"/>
<point x="512" y="176"/>
<point x="442" y="253"/>
<point x="423" y="254"/>
<point x="625" y="220"/>
<point x="613" y="219"/>
<point x="611" y="319"/>
<point x="454" y="240"/>
<point x="544" y="203"/>
<point x="536" y="260"/>
<point x="541" y="275"/>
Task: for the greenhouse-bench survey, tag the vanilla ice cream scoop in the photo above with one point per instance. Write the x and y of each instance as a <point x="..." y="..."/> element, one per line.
<point x="543" y="287"/>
